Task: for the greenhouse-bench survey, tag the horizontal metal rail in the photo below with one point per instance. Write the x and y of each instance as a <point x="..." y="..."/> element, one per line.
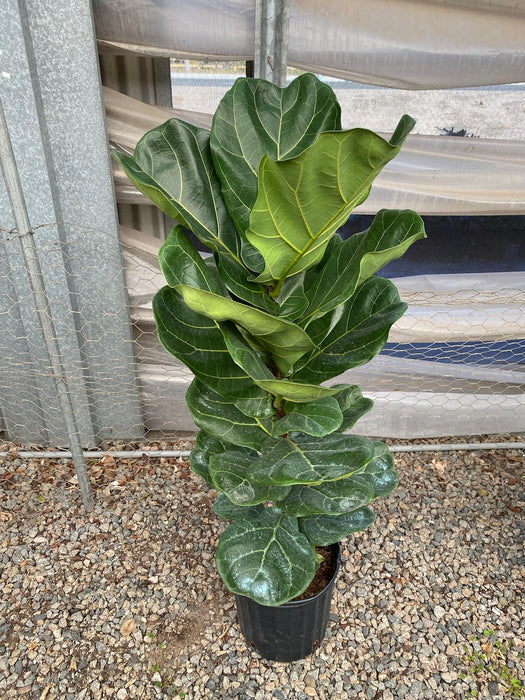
<point x="137" y="454"/>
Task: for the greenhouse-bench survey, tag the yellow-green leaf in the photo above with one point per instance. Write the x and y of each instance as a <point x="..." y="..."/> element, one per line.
<point x="284" y="340"/>
<point x="301" y="202"/>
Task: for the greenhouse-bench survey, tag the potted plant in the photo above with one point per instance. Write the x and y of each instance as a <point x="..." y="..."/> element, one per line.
<point x="282" y="306"/>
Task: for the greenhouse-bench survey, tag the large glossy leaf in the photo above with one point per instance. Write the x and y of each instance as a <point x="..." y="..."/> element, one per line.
<point x="237" y="279"/>
<point x="359" y="334"/>
<point x="198" y="342"/>
<point x="224" y="508"/>
<point x="316" y="418"/>
<point x="251" y="362"/>
<point x="381" y="470"/>
<point x="377" y="478"/>
<point x="352" y="404"/>
<point x="302" y="202"/>
<point x="293" y="301"/>
<point x="284" y="340"/>
<point x="323" y="530"/>
<point x="332" y="498"/>
<point x="205" y="446"/>
<point x="223" y="420"/>
<point x="266" y="558"/>
<point x="257" y="117"/>
<point x="172" y="165"/>
<point x="181" y="263"/>
<point x="347" y="265"/>
<point x="230" y="473"/>
<point x="302" y="459"/>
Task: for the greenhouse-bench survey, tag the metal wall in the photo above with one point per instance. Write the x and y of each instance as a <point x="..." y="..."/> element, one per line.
<point x="50" y="90"/>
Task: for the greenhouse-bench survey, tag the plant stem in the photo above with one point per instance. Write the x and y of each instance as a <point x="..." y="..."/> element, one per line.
<point x="278" y="404"/>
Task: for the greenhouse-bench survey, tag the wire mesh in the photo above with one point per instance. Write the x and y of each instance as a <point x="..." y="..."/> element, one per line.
<point x="431" y="386"/>
<point x="198" y="86"/>
<point x="454" y="366"/>
<point x="92" y="332"/>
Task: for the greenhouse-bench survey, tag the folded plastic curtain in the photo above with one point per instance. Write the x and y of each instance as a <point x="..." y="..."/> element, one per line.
<point x="413" y="44"/>
<point x="432" y="175"/>
<point x="408" y="44"/>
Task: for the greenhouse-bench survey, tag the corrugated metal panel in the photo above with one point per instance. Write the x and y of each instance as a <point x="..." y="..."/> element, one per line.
<point x="56" y="125"/>
<point x="146" y="79"/>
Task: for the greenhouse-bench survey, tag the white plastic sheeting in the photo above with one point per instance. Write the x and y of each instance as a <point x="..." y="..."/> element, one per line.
<point x="412" y="44"/>
<point x="413" y="398"/>
<point x="461" y="308"/>
<point x="432" y="175"/>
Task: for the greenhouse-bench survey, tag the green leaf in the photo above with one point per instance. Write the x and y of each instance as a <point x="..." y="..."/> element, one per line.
<point x="223" y="420"/>
<point x="309" y="460"/>
<point x="377" y="478"/>
<point x="237" y="279"/>
<point x="302" y="202"/>
<point x="198" y="342"/>
<point x="316" y="418"/>
<point x="230" y="473"/>
<point x="181" y="263"/>
<point x="323" y="530"/>
<point x="251" y="256"/>
<point x="227" y="510"/>
<point x="403" y="129"/>
<point x="347" y="265"/>
<point x="359" y="334"/>
<point x="284" y="340"/>
<point x="172" y="166"/>
<point x="252" y="363"/>
<point x="352" y="403"/>
<point x="257" y="117"/>
<point x="292" y="299"/>
<point x="205" y="446"/>
<point x="266" y="559"/>
<point x="332" y="498"/>
<point x="381" y="469"/>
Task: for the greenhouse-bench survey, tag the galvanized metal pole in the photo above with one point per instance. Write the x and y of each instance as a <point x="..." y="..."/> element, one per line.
<point x="36" y="281"/>
<point x="271" y="40"/>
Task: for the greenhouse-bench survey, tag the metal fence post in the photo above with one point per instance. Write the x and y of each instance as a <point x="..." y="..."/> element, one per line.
<point x="25" y="234"/>
<point x="271" y="40"/>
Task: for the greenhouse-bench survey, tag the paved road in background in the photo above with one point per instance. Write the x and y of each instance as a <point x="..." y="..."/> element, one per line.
<point x="495" y="111"/>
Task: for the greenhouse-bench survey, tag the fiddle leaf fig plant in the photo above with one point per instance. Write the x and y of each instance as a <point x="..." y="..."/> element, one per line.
<point x="282" y="305"/>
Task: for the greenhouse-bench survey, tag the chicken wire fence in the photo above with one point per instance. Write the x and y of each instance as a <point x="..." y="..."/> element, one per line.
<point x="126" y="388"/>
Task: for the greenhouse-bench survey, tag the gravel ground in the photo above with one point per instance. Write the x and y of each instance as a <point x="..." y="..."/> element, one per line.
<point x="125" y="602"/>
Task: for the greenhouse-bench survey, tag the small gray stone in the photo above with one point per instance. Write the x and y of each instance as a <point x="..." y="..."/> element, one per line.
<point x="415" y="689"/>
<point x="20" y="555"/>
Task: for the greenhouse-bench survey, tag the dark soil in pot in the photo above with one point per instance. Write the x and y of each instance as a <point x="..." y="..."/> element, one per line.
<point x="324" y="574"/>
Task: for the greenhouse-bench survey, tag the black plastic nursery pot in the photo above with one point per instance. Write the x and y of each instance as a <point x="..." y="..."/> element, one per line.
<point x="290" y="631"/>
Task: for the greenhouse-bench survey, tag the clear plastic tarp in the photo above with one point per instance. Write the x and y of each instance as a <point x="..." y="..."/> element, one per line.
<point x="454" y="365"/>
<point x="398" y="43"/>
<point x="431" y="175"/>
<point x="413" y="398"/>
